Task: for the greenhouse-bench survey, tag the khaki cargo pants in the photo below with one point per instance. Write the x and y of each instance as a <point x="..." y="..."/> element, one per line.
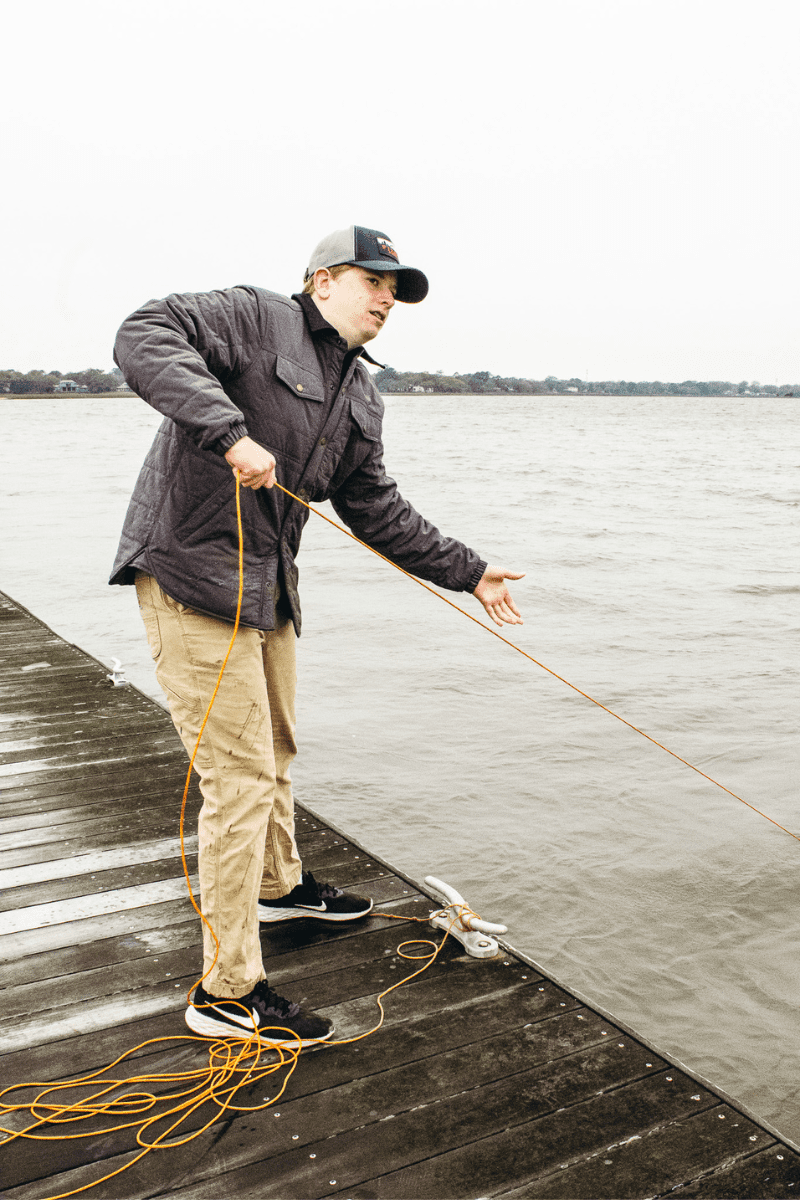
<point x="246" y="846"/>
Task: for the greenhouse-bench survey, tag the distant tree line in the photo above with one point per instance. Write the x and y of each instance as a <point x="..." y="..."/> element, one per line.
<point x="477" y="383"/>
<point x="689" y="387"/>
<point x="483" y="382"/>
<point x="43" y="383"/>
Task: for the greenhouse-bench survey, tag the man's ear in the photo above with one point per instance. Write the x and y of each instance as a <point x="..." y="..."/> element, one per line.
<point x="322" y="282"/>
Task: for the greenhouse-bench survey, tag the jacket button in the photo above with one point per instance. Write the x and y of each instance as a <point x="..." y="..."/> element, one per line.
<point x="299" y="387"/>
<point x="323" y="441"/>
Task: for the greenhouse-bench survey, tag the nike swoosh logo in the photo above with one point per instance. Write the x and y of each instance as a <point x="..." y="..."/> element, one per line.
<point x="239" y="1018"/>
<point x="315" y="907"/>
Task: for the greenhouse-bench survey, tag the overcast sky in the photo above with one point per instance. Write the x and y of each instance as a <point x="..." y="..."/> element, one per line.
<point x="596" y="188"/>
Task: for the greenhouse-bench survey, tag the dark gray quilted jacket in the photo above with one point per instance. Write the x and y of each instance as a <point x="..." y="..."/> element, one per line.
<point x="222" y="365"/>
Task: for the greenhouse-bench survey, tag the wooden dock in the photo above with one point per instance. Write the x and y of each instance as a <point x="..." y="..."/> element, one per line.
<point x="488" y="1079"/>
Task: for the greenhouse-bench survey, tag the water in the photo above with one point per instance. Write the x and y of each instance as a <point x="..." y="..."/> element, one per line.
<point x="660" y="542"/>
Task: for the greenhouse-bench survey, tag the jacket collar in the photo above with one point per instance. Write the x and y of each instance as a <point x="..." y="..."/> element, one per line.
<point x="317" y="325"/>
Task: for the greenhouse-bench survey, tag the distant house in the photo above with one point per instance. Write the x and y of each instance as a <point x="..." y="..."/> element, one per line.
<point x="69" y="385"/>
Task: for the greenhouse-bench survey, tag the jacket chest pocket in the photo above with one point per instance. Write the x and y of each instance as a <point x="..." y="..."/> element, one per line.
<point x="299" y="380"/>
<point x="368" y="422"/>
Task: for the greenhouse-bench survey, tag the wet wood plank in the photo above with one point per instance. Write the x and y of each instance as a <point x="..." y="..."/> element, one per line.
<point x="488" y="1079"/>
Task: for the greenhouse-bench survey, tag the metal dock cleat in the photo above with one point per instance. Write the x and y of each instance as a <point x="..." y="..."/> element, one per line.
<point x="461" y="922"/>
<point x="117" y="677"/>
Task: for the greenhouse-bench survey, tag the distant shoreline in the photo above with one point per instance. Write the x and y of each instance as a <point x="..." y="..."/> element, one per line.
<point x="450" y="395"/>
<point x="65" y="395"/>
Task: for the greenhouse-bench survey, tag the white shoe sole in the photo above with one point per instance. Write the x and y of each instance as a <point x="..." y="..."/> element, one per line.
<point x="273" y="915"/>
<point x="207" y="1026"/>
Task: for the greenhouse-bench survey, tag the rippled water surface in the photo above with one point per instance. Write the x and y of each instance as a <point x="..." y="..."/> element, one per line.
<point x="660" y="542"/>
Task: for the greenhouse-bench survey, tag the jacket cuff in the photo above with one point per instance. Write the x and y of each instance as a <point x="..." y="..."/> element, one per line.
<point x="476" y="576"/>
<point x="234" y="435"/>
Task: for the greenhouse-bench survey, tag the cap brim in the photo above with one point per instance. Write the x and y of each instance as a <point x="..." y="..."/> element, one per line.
<point x="412" y="285"/>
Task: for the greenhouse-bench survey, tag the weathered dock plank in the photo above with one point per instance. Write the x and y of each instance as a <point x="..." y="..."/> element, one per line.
<point x="487" y="1079"/>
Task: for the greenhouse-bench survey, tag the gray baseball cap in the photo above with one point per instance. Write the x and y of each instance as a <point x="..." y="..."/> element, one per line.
<point x="372" y="250"/>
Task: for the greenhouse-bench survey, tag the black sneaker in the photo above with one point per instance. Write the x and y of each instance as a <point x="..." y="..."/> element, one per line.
<point x="311" y="899"/>
<point x="280" y="1022"/>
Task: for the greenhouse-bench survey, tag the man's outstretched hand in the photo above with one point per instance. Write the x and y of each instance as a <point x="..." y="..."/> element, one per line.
<point x="256" y="466"/>
<point x="495" y="596"/>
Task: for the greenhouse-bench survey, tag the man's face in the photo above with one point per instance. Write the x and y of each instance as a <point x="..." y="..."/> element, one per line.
<point x="357" y="303"/>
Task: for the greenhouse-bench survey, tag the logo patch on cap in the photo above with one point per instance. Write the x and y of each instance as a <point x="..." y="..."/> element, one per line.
<point x="386" y="248"/>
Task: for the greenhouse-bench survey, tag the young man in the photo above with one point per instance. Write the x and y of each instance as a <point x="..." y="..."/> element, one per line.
<point x="263" y="386"/>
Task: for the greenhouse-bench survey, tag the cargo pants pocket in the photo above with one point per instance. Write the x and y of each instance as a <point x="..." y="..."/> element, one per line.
<point x="144" y="594"/>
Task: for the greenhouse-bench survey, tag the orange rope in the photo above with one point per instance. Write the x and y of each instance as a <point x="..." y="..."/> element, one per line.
<point x="530" y="658"/>
<point x="234" y="1063"/>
